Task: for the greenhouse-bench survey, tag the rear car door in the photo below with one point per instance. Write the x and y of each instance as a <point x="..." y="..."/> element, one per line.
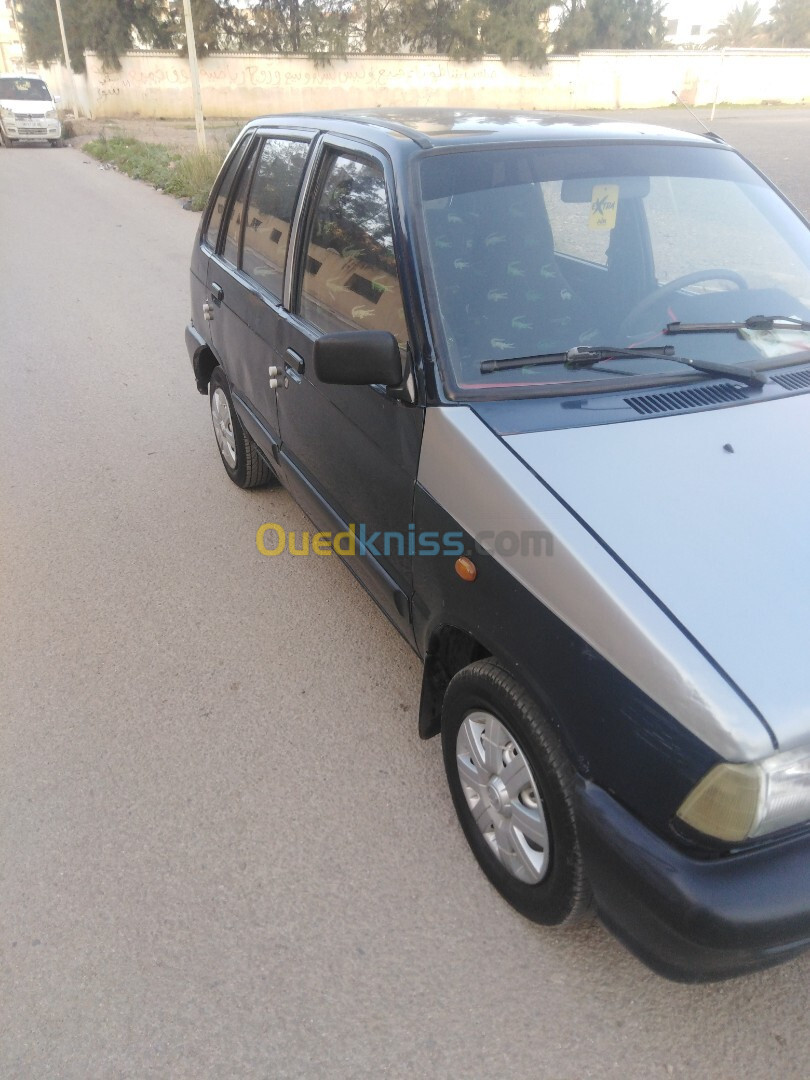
<point x="276" y="179"/>
<point x="202" y="308"/>
<point x="232" y="296"/>
<point x="351" y="452"/>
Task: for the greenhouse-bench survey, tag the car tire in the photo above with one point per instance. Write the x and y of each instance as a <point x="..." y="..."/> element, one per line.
<point x="55" y="143"/>
<point x="512" y="787"/>
<point x="241" y="457"/>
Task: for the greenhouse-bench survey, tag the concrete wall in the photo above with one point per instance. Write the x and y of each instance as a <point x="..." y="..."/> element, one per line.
<point x="157" y="84"/>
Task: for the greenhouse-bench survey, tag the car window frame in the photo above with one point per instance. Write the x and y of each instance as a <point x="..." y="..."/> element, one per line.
<point x="246" y="171"/>
<point x="241" y="145"/>
<point x="330" y="146"/>
<point x="262" y="134"/>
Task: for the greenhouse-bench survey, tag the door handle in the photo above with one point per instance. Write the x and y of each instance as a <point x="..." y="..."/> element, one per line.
<point x="294" y="361"/>
<point x="217" y="293"/>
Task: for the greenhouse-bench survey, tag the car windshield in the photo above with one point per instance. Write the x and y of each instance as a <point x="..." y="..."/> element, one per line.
<point x="533" y="251"/>
<point x="18" y="89"/>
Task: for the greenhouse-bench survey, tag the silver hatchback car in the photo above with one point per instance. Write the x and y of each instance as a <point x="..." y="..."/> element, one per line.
<point x="544" y="383"/>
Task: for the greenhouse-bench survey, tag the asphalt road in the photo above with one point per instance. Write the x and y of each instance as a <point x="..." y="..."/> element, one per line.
<point x="224" y="852"/>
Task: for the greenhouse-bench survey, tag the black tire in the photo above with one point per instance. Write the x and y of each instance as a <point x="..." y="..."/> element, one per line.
<point x="247" y="468"/>
<point x="562" y="894"/>
<point x="55" y="143"/>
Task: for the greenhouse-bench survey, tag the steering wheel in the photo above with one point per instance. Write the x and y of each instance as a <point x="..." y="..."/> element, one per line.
<point x="675" y="286"/>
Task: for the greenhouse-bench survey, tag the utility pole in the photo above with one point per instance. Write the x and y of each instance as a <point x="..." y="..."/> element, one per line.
<point x="74" y="97"/>
<point x="194" y="69"/>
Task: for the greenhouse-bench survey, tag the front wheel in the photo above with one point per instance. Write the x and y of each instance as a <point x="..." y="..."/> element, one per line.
<point x="512" y="786"/>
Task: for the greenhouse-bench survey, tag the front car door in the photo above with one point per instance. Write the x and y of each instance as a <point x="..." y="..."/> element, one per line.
<point x="351" y="452"/>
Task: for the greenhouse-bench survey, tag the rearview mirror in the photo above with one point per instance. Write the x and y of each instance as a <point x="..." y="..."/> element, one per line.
<point x="358" y="358"/>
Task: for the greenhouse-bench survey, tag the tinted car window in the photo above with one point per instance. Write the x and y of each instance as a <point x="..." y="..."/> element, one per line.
<point x="350" y="274"/>
<point x="270" y="209"/>
<point x="233" y="228"/>
<point x="215" y="220"/>
<point x="24" y="90"/>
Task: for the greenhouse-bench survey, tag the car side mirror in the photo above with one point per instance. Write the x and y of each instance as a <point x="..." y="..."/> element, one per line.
<point x="358" y="358"/>
<point x="56" y="99"/>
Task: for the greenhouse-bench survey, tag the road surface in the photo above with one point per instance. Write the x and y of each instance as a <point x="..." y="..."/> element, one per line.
<point x="224" y="852"/>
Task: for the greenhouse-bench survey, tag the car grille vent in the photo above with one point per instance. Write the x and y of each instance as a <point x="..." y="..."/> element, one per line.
<point x="793" y="380"/>
<point x="672" y="400"/>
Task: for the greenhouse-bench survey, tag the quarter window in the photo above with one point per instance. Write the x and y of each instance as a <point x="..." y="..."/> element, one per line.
<point x="230" y="251"/>
<point x="270" y="210"/>
<point x="350" y="279"/>
<point x="215" y="220"/>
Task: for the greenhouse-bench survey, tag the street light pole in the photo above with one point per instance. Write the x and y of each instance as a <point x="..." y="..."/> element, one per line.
<point x="194" y="70"/>
<point x="74" y="97"/>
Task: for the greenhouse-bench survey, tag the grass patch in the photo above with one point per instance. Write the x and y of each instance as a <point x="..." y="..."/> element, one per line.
<point x="186" y="175"/>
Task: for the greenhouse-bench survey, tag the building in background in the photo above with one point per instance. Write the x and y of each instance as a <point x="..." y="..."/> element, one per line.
<point x="12" y="57"/>
<point x="690" y="22"/>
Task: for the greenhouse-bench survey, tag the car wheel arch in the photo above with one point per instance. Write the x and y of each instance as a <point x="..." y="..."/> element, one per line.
<point x="204" y="363"/>
<point x="450" y="649"/>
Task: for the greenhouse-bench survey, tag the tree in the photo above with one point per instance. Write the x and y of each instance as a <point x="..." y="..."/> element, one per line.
<point x="610" y="24"/>
<point x="509" y="29"/>
<point x="111" y="27"/>
<point x="740" y="28"/>
<point x="789" y="27"/>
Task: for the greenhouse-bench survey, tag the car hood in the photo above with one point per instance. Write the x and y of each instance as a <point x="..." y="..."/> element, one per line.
<point x="710" y="512"/>
<point x="33" y="108"/>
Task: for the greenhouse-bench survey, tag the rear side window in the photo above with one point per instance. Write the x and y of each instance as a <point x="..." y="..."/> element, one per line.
<point x="233" y="227"/>
<point x="350" y="279"/>
<point x="270" y="210"/>
<point x="221" y="201"/>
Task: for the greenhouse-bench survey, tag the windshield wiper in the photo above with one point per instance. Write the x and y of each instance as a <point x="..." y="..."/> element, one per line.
<point x="588" y="355"/>
<point x="564" y="357"/>
<point x="753" y="322"/>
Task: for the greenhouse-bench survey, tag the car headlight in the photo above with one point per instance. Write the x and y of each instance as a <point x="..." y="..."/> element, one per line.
<point x="7" y="114"/>
<point x="51" y="114"/>
<point x="740" y="802"/>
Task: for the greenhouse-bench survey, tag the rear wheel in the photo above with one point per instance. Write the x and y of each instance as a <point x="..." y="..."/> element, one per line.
<point x="512" y="786"/>
<point x="240" y="455"/>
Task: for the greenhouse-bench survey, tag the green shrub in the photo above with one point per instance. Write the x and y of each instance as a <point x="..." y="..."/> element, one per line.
<point x="186" y="175"/>
<point x="195" y="174"/>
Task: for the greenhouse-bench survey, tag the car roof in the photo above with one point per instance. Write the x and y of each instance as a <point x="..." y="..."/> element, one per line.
<point x="21" y="75"/>
<point x="427" y="128"/>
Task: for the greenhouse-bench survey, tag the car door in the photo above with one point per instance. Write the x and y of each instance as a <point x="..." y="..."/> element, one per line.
<point x="235" y="306"/>
<point x="276" y="179"/>
<point x="351" y="452"/>
<point x="202" y="309"/>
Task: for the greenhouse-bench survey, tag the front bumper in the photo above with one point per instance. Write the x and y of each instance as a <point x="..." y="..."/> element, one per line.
<point x="32" y="131"/>
<point x="687" y="918"/>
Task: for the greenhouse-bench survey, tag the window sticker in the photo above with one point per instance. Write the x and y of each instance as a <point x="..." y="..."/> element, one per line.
<point x="604" y="203"/>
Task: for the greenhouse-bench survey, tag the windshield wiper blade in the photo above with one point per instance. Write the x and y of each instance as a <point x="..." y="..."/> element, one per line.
<point x="564" y="357"/>
<point x="753" y="322"/>
<point x="586" y="356"/>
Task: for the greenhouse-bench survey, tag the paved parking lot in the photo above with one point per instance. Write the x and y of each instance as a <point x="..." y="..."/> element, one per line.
<point x="224" y="852"/>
